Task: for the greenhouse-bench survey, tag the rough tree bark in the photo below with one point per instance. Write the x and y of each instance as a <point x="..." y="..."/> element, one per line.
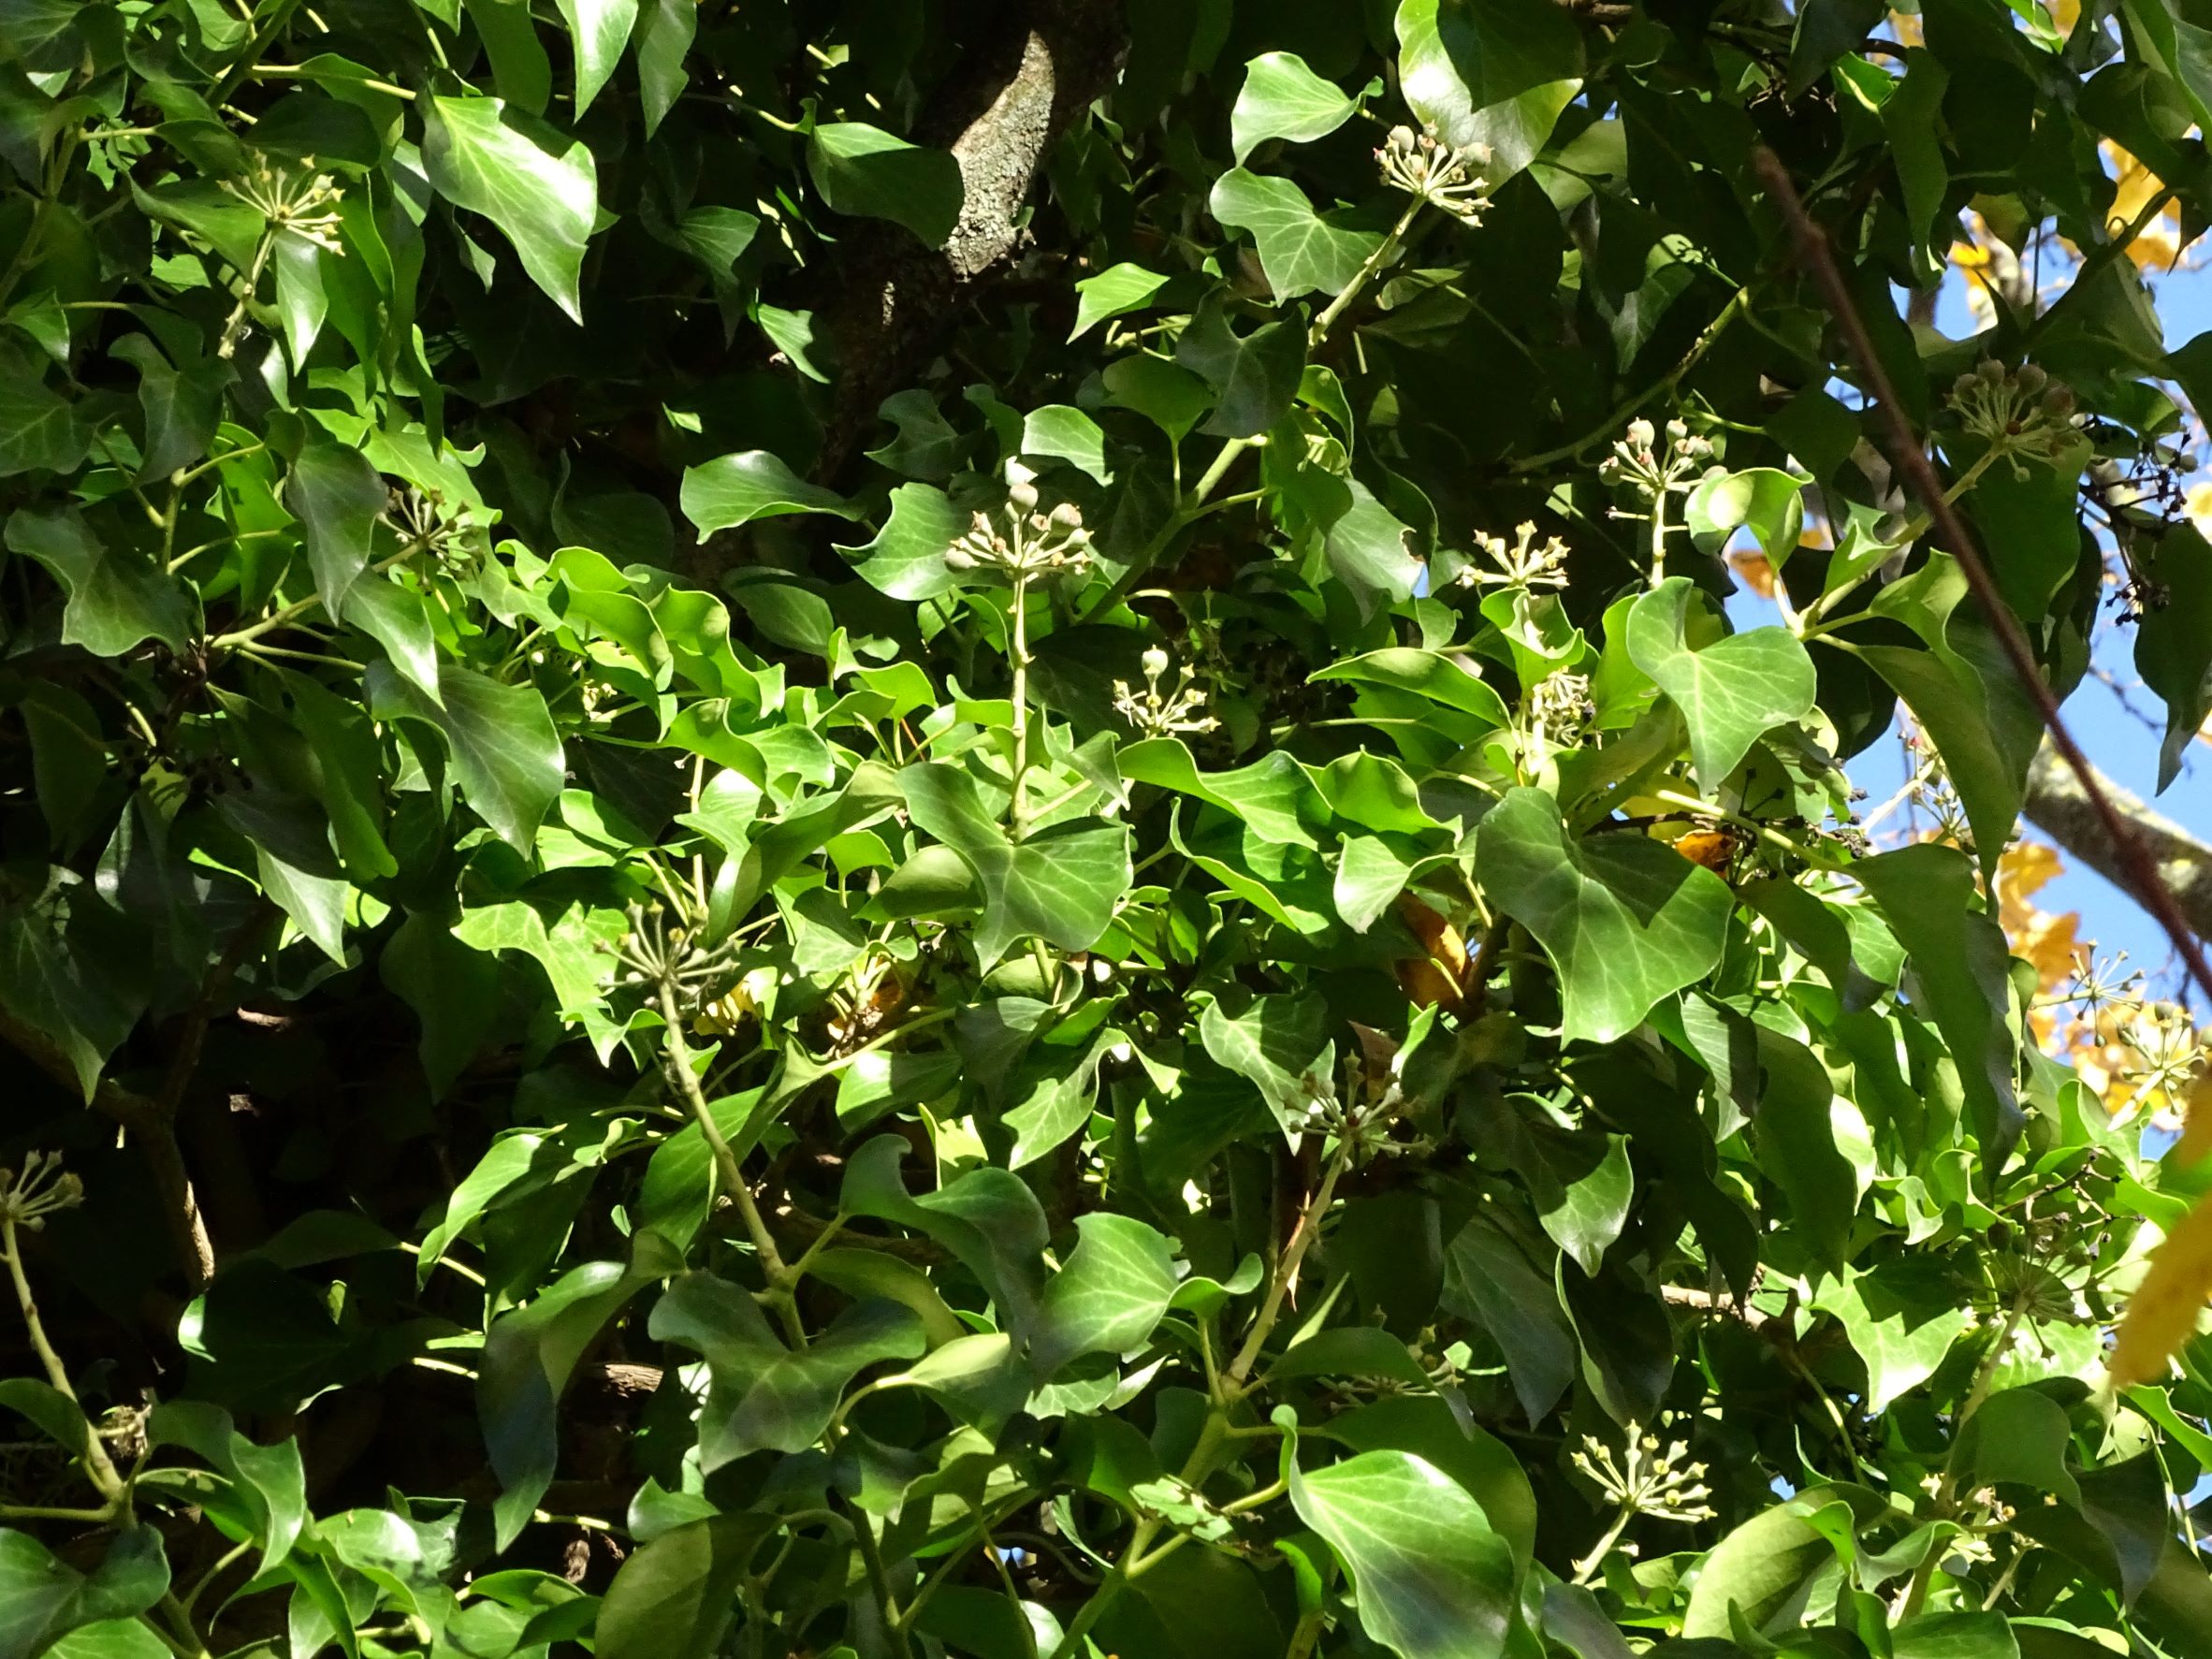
<point x="2058" y="805"/>
<point x="1038" y="64"/>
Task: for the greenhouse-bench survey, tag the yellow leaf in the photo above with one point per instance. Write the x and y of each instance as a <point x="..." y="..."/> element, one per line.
<point x="2196" y="1129"/>
<point x="1757" y="572"/>
<point x="2197" y="503"/>
<point x="2162" y="1313"/>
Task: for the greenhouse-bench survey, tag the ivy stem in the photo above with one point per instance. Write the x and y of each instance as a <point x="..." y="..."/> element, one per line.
<point x="299" y="607"/>
<point x="1019" y="809"/>
<point x="1946" y="1493"/>
<point x="227" y="345"/>
<point x="1279" y="1282"/>
<point x="731" y="1176"/>
<point x="97" y="1464"/>
<point x="1811" y="623"/>
<point x="1587" y="1567"/>
<point x="245" y="63"/>
<point x="1385" y="251"/>
<point x="1622" y="412"/>
<point x="871" y="1557"/>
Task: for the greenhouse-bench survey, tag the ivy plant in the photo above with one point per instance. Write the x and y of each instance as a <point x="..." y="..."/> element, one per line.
<point x="899" y="828"/>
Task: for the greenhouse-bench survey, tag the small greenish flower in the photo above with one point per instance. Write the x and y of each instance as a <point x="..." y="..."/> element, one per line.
<point x="1019" y="542"/>
<point x="1522" y="565"/>
<point x="39" y="1189"/>
<point x="301" y="201"/>
<point x="1652" y="469"/>
<point x="1443" y="175"/>
<point x="1663" y="1482"/>
<point x="1560" y="708"/>
<point x="2018" y="413"/>
<point x="1153" y="713"/>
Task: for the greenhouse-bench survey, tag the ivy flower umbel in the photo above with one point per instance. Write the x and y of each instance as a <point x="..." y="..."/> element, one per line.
<point x="1652" y="469"/>
<point x="1523" y="564"/>
<point x="299" y="201"/>
<point x="424" y="519"/>
<point x="2019" y="412"/>
<point x="1560" y="709"/>
<point x="1666" y="1484"/>
<point x="1163" y="714"/>
<point x="1443" y="175"/>
<point x="1020" y="542"/>
<point x="39" y="1189"/>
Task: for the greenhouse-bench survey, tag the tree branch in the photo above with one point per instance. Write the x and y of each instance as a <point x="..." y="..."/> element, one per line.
<point x="1044" y="64"/>
<point x="156" y="1133"/>
<point x="2061" y="808"/>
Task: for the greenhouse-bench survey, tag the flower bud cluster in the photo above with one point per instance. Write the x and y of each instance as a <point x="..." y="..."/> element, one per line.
<point x="423" y="519"/>
<point x="1650" y="469"/>
<point x="1666" y="1484"/>
<point x="2018" y="413"/>
<point x="301" y="202"/>
<point x="1443" y="175"/>
<point x="1560" y="709"/>
<point x="39" y="1189"/>
<point x="1523" y="565"/>
<point x="1162" y="714"/>
<point x="1021" y="542"/>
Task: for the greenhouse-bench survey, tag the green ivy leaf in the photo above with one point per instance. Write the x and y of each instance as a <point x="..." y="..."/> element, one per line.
<point x="1732" y="687"/>
<point x="666" y="30"/>
<point x="599" y="29"/>
<point x="1753" y="1572"/>
<point x="1434" y="1581"/>
<point x="500" y="738"/>
<point x="43" y="1599"/>
<point x="528" y="1358"/>
<point x="116" y="600"/>
<point x="1490" y="1279"/>
<point x="40" y="431"/>
<point x="863" y="171"/>
<point x="1902" y="1330"/>
<point x="1301" y="250"/>
<point x="1283" y="98"/>
<point x="1959" y="957"/>
<point x="1768" y="500"/>
<point x="674" y="1598"/>
<point x="766" y="1396"/>
<point x="734" y="489"/>
<point x="1276" y="1043"/>
<point x="538" y="187"/>
<point x="1061" y="885"/>
<point x="1625" y="919"/>
<point x="1065" y="433"/>
<point x="1115" y="291"/>
<point x="2020" y="1437"/>
<point x="1443" y="679"/>
<point x="1253" y="376"/>
<point x="1490" y="72"/>
<point x="1109" y="1296"/>
<point x="1583" y="1215"/>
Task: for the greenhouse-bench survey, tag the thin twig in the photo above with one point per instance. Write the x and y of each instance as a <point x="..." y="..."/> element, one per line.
<point x="2133" y="857"/>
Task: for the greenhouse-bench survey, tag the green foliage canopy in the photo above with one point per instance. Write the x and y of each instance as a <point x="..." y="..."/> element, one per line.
<point x="902" y="828"/>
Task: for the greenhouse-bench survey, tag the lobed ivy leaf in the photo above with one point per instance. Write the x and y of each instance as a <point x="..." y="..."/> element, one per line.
<point x="1625" y="920"/>
<point x="1732" y="689"/>
<point x="1303" y="252"/>
<point x="1434" y="1581"/>
<point x="863" y="170"/>
<point x="1283" y="98"/>
<point x="540" y="188"/>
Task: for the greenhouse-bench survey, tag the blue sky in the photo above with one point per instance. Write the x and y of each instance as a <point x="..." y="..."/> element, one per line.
<point x="2122" y="745"/>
